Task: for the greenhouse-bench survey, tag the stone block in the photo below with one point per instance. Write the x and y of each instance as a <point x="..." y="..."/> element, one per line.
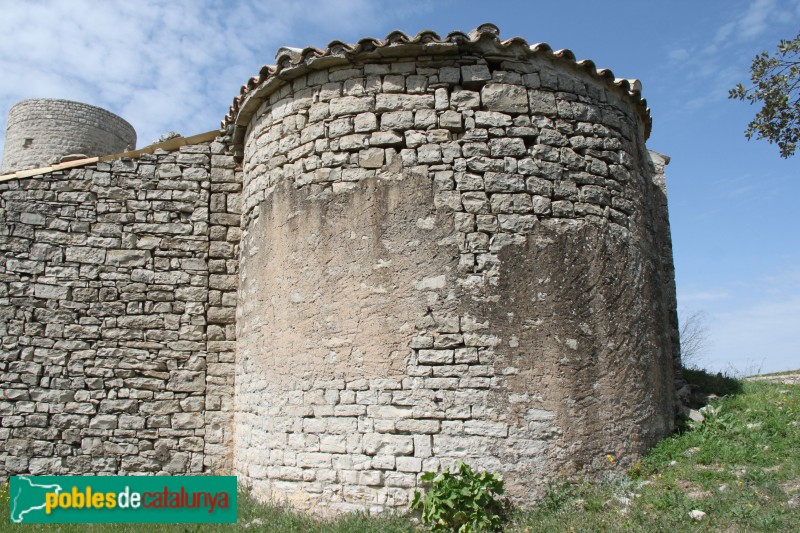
<point x="425" y="119"/>
<point x="386" y="138"/>
<point x="450" y="75"/>
<point x="507" y="146"/>
<point x="594" y="194"/>
<point x="394" y="83"/>
<point x="565" y="190"/>
<point x="501" y="182"/>
<point x="563" y="208"/>
<point x="371" y="158"/>
<point x="541" y="205"/>
<point x="397" y="120"/>
<point x="449" y="200"/>
<point x="385" y="444"/>
<point x="511" y="203"/>
<point x="492" y="119"/>
<point x="408" y="464"/>
<point x="23" y="266"/>
<point x="435" y="357"/>
<point x="186" y="381"/>
<point x="517" y="223"/>
<point x="542" y="102"/>
<point x="539" y="186"/>
<point x="486" y="428"/>
<point x="50" y="292"/>
<point x="474" y="74"/>
<point x="314" y="460"/>
<point x="418" y="426"/>
<point x="429" y="154"/>
<point x="333" y="444"/>
<point x="221" y="315"/>
<point x="466" y="355"/>
<point x="187" y="420"/>
<point x="475" y="202"/>
<point x="463" y="100"/>
<point x="451" y="120"/>
<point x="126" y="258"/>
<point x="365" y="122"/>
<point x="354" y="142"/>
<point x="505" y="98"/>
<point x="118" y="406"/>
<point x="408" y="102"/>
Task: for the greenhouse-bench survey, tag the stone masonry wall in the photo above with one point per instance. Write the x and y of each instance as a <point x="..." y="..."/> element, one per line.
<point x="449" y="256"/>
<point x="403" y="253"/>
<point x="41" y="131"/>
<point x="664" y="243"/>
<point x="117" y="287"/>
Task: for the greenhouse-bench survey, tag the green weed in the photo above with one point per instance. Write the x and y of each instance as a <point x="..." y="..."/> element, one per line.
<point x="465" y="502"/>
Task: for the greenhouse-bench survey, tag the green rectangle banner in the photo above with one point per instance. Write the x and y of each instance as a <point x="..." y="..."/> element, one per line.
<point x="122" y="499"/>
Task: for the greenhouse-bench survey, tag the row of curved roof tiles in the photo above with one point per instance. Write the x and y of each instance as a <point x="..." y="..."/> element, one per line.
<point x="288" y="58"/>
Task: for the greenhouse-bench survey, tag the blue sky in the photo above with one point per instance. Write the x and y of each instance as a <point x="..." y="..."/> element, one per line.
<point x="736" y="229"/>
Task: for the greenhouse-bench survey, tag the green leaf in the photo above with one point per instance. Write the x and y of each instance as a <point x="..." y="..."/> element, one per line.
<point x="776" y="86"/>
<point x="465" y="501"/>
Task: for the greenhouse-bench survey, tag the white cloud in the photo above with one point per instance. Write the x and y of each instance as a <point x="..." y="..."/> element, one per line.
<point x="724" y="33"/>
<point x="164" y="65"/>
<point x="752" y="324"/>
<point x="754" y="21"/>
<point x="710" y="67"/>
<point x="702" y="296"/>
<point x="678" y="55"/>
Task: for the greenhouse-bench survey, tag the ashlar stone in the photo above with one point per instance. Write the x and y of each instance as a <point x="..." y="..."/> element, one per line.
<point x="471" y="74"/>
<point x="371" y="158"/>
<point x="505" y="98"/>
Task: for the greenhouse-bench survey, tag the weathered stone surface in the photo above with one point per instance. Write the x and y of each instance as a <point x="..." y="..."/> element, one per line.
<point x="397" y="120"/>
<point x="371" y="158"/>
<point x="123" y="276"/>
<point x="426" y="240"/>
<point x="542" y="103"/>
<point x="505" y="98"/>
<point x="471" y="74"/>
<point x="505" y="151"/>
<point x="186" y="381"/>
<point x="42" y="131"/>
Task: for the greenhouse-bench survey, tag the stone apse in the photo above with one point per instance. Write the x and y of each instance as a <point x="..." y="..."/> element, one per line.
<point x="393" y="255"/>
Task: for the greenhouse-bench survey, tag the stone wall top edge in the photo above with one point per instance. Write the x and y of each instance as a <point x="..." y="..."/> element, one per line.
<point x="169" y="145"/>
<point x="484" y="40"/>
<point x="663" y="157"/>
<point x="66" y="104"/>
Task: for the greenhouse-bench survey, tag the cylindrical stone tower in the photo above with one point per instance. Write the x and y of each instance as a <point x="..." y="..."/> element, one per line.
<point x="452" y="249"/>
<point x="41" y="131"/>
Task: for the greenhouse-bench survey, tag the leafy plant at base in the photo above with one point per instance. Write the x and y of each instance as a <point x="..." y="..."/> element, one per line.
<point x="465" y="502"/>
<point x="715" y="422"/>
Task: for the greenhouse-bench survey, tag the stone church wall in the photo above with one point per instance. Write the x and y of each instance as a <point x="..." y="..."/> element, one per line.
<point x="401" y="254"/>
<point x="446" y="255"/>
<point x="117" y="291"/>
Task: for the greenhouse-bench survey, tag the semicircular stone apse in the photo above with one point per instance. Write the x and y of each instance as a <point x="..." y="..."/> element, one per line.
<point x="452" y="249"/>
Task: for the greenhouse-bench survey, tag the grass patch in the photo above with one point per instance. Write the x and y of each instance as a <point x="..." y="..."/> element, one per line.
<point x="253" y="516"/>
<point x="741" y="467"/>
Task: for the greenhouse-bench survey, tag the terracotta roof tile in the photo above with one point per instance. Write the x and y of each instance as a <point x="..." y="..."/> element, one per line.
<point x="398" y="44"/>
